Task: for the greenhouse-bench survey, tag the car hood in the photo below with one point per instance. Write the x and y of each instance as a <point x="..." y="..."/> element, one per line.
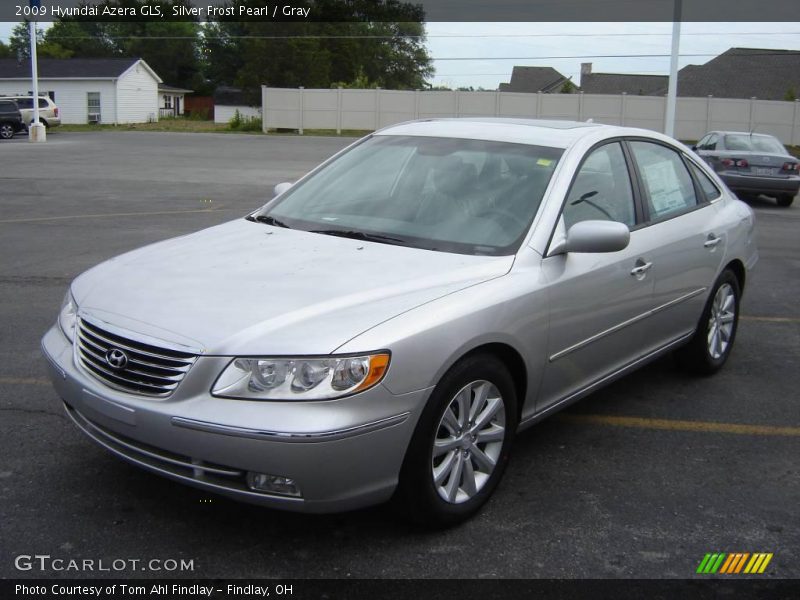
<point x="249" y="288"/>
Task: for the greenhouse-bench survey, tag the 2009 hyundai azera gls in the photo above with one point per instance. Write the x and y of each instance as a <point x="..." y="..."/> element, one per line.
<point x="388" y="323"/>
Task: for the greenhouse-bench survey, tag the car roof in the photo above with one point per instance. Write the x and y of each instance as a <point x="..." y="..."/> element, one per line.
<point x="540" y="132"/>
<point x="744" y="133"/>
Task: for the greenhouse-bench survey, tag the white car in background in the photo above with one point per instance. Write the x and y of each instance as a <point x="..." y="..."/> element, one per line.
<point x="49" y="114"/>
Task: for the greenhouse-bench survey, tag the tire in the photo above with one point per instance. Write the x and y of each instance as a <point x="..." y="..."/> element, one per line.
<point x="474" y="449"/>
<point x="713" y="340"/>
<point x="6" y="131"/>
<point x="785" y="200"/>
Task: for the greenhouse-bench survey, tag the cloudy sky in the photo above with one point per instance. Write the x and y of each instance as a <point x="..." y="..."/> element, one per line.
<point x="483" y="54"/>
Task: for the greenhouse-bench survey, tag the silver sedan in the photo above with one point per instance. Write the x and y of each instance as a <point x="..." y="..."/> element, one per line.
<point x="385" y="326"/>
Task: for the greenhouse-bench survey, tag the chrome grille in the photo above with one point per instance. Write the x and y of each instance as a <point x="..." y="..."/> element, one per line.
<point x="149" y="370"/>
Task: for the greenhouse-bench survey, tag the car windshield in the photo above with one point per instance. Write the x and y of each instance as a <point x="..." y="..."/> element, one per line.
<point x="753" y="143"/>
<point x="445" y="194"/>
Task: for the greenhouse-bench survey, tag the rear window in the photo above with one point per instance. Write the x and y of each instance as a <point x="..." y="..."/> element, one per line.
<point x="6" y="105"/>
<point x="710" y="190"/>
<point x="753" y="143"/>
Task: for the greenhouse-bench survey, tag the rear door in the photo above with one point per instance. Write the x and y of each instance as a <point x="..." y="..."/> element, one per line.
<point x="681" y="212"/>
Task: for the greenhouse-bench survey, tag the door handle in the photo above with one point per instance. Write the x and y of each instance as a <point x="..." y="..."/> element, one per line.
<point x="641" y="269"/>
<point x="712" y="241"/>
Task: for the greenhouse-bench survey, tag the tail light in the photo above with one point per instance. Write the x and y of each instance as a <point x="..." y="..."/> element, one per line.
<point x="734" y="162"/>
<point x="790" y="166"/>
<point x="55" y="111"/>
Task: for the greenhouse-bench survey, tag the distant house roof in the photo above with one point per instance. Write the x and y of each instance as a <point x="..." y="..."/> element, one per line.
<point x="71" y="68"/>
<point x="162" y="87"/>
<point x="743" y="73"/>
<point x="534" y="79"/>
<point x="617" y="83"/>
<point x="229" y="96"/>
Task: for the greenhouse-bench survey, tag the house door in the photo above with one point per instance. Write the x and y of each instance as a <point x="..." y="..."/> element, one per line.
<point x="177" y="105"/>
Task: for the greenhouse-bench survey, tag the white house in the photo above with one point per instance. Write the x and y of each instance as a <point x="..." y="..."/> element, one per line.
<point x="96" y="90"/>
<point x="170" y="103"/>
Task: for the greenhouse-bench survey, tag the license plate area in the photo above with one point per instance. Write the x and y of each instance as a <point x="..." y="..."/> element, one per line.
<point x="765" y="171"/>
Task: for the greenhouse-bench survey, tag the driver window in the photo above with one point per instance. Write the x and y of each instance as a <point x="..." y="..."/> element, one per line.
<point x="602" y="189"/>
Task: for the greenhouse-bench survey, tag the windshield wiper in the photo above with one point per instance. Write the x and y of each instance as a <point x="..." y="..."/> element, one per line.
<point x="269" y="220"/>
<point x="360" y="235"/>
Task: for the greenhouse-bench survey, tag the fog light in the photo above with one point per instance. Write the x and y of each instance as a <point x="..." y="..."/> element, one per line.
<point x="273" y="484"/>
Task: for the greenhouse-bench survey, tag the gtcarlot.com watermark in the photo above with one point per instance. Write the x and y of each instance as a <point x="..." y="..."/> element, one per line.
<point x="48" y="563"/>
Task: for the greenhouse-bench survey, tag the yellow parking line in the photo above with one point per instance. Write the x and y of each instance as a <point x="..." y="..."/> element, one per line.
<point x="676" y="425"/>
<point x="129" y="214"/>
<point x="771" y="319"/>
<point x="24" y="381"/>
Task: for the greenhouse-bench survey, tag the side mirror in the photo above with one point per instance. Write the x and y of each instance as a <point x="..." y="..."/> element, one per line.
<point x="281" y="188"/>
<point x="595" y="236"/>
<point x="694" y="147"/>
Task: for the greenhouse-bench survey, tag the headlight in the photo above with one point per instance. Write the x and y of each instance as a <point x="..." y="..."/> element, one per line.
<point x="68" y="316"/>
<point x="300" y="378"/>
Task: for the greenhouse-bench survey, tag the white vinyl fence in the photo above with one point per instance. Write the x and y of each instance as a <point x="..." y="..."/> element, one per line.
<point x="340" y="109"/>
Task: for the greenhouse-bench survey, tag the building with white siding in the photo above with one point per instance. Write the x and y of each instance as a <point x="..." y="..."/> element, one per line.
<point x="89" y="90"/>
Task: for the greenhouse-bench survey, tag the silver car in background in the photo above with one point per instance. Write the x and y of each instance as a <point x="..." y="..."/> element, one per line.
<point x="386" y="325"/>
<point x="752" y="164"/>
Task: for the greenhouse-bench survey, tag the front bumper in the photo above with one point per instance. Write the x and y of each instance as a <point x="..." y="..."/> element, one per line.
<point x="343" y="454"/>
<point x="763" y="185"/>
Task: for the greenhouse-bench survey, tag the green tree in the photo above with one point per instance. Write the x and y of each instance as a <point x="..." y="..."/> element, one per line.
<point x="568" y="87"/>
<point x="5" y="51"/>
<point x="790" y="95"/>
<point x="20" y="41"/>
<point x="169" y="46"/>
<point x="83" y="39"/>
<point x="358" y="43"/>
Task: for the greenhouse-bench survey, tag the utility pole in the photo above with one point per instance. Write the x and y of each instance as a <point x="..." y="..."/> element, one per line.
<point x="672" y="89"/>
<point x="36" y="131"/>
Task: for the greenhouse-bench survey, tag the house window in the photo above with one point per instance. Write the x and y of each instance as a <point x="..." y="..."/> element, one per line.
<point x="167" y="101"/>
<point x="93" y="106"/>
<point x="50" y="93"/>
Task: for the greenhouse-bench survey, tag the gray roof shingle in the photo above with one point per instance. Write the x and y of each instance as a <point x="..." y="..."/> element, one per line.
<point x="534" y="79"/>
<point x="617" y="83"/>
<point x="743" y="73"/>
<point x="73" y="68"/>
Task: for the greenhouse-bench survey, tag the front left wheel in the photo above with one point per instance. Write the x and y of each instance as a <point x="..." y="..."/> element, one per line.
<point x="6" y="131"/>
<point x="461" y="445"/>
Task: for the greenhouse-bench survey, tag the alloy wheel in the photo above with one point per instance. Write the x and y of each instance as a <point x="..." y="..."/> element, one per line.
<point x="468" y="442"/>
<point x="721" y="321"/>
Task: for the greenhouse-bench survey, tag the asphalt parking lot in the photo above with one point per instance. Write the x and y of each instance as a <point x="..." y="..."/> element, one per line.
<point x="641" y="479"/>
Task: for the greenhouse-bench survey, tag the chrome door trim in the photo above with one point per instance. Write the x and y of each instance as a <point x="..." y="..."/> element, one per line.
<point x="619" y="326"/>
<point x="575" y="396"/>
<point x="289" y="436"/>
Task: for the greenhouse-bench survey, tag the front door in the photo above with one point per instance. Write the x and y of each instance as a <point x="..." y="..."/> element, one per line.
<point x="599" y="302"/>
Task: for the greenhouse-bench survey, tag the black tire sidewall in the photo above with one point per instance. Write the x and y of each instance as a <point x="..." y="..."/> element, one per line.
<point x="6" y="131"/>
<point x="416" y="490"/>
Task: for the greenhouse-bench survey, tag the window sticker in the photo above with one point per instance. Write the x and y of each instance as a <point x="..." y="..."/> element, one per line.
<point x="663" y="184"/>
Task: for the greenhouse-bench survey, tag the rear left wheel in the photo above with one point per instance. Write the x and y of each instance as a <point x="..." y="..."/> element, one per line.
<point x="713" y="340"/>
<point x="785" y="200"/>
<point x="461" y="445"/>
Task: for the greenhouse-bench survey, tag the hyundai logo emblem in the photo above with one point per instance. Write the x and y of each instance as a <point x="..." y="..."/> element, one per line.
<point x="116" y="359"/>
